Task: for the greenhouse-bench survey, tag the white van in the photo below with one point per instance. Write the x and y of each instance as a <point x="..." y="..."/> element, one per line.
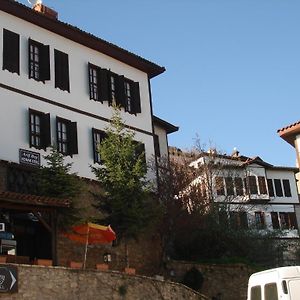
<point x="275" y="284"/>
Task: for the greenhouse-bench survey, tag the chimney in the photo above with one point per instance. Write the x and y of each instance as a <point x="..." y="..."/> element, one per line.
<point x="235" y="153"/>
<point x="45" y="10"/>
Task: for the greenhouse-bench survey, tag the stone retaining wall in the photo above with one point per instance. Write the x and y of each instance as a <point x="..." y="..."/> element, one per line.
<point x="59" y="283"/>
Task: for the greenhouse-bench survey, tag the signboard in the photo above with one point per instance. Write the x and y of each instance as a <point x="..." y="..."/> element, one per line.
<point x="27" y="157"/>
<point x="8" y="279"/>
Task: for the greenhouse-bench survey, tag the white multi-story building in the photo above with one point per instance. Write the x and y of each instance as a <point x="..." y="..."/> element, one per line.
<point x="57" y="85"/>
<point x="252" y="192"/>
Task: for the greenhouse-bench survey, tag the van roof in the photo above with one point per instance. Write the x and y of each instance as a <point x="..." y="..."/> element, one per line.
<point x="282" y="272"/>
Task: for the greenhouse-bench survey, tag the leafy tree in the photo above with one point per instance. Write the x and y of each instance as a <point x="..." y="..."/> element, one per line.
<point x="127" y="202"/>
<point x="55" y="180"/>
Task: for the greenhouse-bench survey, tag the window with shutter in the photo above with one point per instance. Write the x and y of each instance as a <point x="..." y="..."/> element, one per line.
<point x="286" y="188"/>
<point x="67" y="142"/>
<point x="229" y="186"/>
<point x="98" y="136"/>
<point x="278" y="187"/>
<point x="275" y="220"/>
<point x="39" y="61"/>
<point x="238" y="182"/>
<point x="11" y="51"/>
<point x="262" y="185"/>
<point x="270" y="187"/>
<point x="61" y="70"/>
<point x="252" y="185"/>
<point x="259" y="220"/>
<point x="156" y="145"/>
<point x="39" y="129"/>
<point x="219" y="182"/>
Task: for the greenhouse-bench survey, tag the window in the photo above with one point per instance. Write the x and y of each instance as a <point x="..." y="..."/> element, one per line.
<point x="156" y="145"/>
<point x="11" y="51"/>
<point x="278" y="187"/>
<point x="132" y="97"/>
<point x="270" y="187"/>
<point x="220" y="185"/>
<point x="39" y="61"/>
<point x="229" y="186"/>
<point x="66" y="136"/>
<point x="252" y="185"/>
<point x="256" y="293"/>
<point x="61" y="70"/>
<point x="39" y="129"/>
<point x="238" y="220"/>
<point x="98" y="83"/>
<point x="286" y="188"/>
<point x="238" y="182"/>
<point x="262" y="185"/>
<point x="287" y="220"/>
<point x="259" y="220"/>
<point x="270" y="291"/>
<point x="98" y="137"/>
<point x="275" y="220"/>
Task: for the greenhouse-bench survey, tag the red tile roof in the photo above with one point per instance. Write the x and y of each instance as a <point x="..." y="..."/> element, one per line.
<point x="13" y="197"/>
<point x="289" y="132"/>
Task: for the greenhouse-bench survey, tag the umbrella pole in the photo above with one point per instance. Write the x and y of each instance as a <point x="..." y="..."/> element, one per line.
<point x="86" y="246"/>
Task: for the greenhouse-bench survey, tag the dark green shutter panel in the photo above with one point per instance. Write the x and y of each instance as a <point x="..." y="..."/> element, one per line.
<point x="44" y="63"/>
<point x="11" y="51"/>
<point x="45" y="131"/>
<point x="103" y="85"/>
<point x="275" y="221"/>
<point x="156" y="146"/>
<point x="72" y="138"/>
<point x="94" y="146"/>
<point x="136" y="97"/>
<point x="120" y="91"/>
<point x="61" y="70"/>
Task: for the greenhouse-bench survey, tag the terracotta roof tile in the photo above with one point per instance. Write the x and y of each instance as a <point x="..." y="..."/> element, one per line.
<point x="33" y="199"/>
<point x="288" y="127"/>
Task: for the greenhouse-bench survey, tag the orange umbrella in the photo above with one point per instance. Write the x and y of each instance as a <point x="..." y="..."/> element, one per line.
<point x="91" y="234"/>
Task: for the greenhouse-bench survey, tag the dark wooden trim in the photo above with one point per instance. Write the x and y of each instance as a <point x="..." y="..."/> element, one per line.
<point x="79" y="111"/>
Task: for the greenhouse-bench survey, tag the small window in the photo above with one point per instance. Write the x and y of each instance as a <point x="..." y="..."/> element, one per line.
<point x="39" y="61"/>
<point x="66" y="136"/>
<point x="270" y="291"/>
<point x="259" y="220"/>
<point x="94" y="82"/>
<point x="39" y="129"/>
<point x="156" y="145"/>
<point x="270" y="187"/>
<point x="255" y="293"/>
<point x="278" y="187"/>
<point x="11" y="51"/>
<point x="252" y="185"/>
<point x="219" y="181"/>
<point x="229" y="186"/>
<point x="286" y="188"/>
<point x="275" y="220"/>
<point x="262" y="185"/>
<point x="61" y="70"/>
<point x="98" y="137"/>
<point x="238" y="182"/>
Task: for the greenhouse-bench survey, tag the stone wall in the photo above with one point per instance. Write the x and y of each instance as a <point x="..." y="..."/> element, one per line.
<point x="48" y="283"/>
<point x="230" y="281"/>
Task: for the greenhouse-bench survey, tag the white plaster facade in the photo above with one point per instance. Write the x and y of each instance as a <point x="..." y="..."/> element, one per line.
<point x="19" y="93"/>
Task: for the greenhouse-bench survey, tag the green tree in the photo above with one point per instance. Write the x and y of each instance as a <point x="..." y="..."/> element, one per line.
<point x="56" y="180"/>
<point x="127" y="203"/>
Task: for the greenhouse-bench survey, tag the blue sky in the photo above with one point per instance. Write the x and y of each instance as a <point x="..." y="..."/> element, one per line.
<point x="233" y="66"/>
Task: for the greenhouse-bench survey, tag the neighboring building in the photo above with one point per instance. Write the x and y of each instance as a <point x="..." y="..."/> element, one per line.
<point x="57" y="87"/>
<point x="251" y="192"/>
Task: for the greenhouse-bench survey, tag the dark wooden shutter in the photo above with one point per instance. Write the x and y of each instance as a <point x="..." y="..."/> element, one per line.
<point x="44" y="63"/>
<point x="293" y="220"/>
<point x="103" y="85"/>
<point x="45" y="131"/>
<point x="156" y="145"/>
<point x="11" y="51"/>
<point x="94" y="146"/>
<point x="136" y="97"/>
<point x="270" y="187"/>
<point x="287" y="188"/>
<point x="243" y="220"/>
<point x="278" y="187"/>
<point x="275" y="221"/>
<point x="61" y="70"/>
<point x="72" y="138"/>
<point x="120" y="91"/>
